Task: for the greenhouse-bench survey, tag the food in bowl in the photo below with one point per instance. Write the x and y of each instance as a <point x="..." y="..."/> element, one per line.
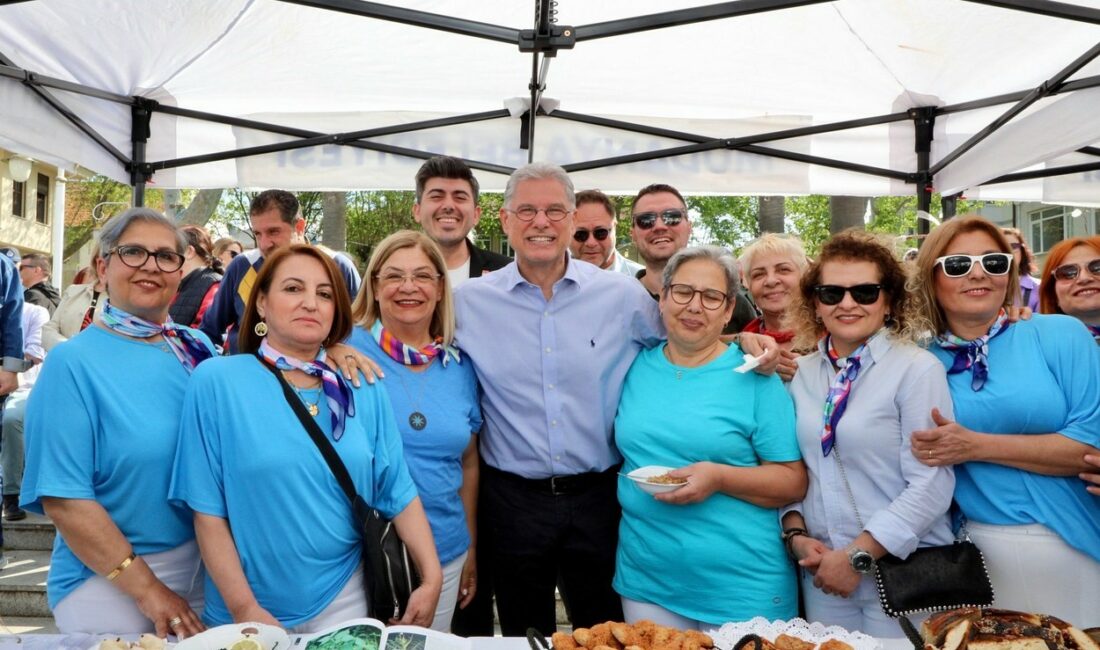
<point x="666" y="479"/>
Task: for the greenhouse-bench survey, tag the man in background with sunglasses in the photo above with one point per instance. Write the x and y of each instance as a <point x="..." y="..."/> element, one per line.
<point x="594" y="234"/>
<point x="660" y="228"/>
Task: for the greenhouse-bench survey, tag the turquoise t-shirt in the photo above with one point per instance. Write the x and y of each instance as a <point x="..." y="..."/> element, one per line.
<point x="245" y="457"/>
<point x="102" y="423"/>
<point x="1044" y="377"/>
<point x="447" y="397"/>
<point x="722" y="559"/>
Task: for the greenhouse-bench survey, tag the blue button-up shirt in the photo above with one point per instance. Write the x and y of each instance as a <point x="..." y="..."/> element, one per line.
<point x="552" y="371"/>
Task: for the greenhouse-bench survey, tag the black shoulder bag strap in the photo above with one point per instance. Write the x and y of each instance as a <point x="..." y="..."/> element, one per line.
<point x="339" y="470"/>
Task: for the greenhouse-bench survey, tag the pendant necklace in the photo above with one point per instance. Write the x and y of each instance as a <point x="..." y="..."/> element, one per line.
<point x="417" y="420"/>
<point x="312" y="407"/>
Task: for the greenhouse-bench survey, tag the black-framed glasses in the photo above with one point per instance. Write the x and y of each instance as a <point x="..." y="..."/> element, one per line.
<point x="671" y="217"/>
<point x="683" y="294"/>
<point x="528" y="213"/>
<point x="956" y="266"/>
<point x="832" y="294"/>
<point x="1071" y="271"/>
<point x="599" y="233"/>
<point x="133" y="256"/>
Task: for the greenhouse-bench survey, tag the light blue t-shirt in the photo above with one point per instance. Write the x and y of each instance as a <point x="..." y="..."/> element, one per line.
<point x="103" y="424"/>
<point x="245" y="457"/>
<point x="1044" y="377"/>
<point x="722" y="559"/>
<point x="447" y="397"/>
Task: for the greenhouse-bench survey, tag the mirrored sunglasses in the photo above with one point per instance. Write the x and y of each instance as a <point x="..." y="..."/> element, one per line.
<point x="832" y="294"/>
<point x="956" y="266"/>
<point x="599" y="233"/>
<point x="646" y="220"/>
<point x="1071" y="271"/>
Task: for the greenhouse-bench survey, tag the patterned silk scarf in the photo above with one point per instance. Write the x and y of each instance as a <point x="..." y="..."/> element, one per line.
<point x="973" y="355"/>
<point x="189" y="349"/>
<point x="837" y="399"/>
<point x="337" y="393"/>
<point x="756" y="326"/>
<point x="408" y="355"/>
<point x="1095" y="331"/>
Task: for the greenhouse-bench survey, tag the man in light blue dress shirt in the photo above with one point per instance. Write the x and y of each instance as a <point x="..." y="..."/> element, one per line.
<point x="551" y="339"/>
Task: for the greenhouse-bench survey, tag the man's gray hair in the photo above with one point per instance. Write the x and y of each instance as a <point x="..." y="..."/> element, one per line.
<point x="538" y="171"/>
<point x="720" y="256"/>
<point x="116" y="225"/>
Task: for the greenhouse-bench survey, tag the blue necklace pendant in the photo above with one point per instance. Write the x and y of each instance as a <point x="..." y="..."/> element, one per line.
<point x="417" y="420"/>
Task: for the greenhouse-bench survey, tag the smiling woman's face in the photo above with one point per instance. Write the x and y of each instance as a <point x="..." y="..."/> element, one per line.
<point x="976" y="296"/>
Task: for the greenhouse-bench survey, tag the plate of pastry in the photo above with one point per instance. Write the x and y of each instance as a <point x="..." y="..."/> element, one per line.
<point x="654" y="479"/>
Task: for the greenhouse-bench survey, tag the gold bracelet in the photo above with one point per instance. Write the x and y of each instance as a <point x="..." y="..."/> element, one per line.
<point x="122" y="566"/>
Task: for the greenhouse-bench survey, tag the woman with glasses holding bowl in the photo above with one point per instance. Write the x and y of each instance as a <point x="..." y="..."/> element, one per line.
<point x="99" y="457"/>
<point x="858" y="397"/>
<point x="1027" y="406"/>
<point x="730" y="437"/>
<point x="404" y="319"/>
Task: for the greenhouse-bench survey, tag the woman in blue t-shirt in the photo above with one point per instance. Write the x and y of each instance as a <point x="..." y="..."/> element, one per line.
<point x="708" y="552"/>
<point x="102" y="429"/>
<point x="1027" y="412"/>
<point x="404" y="319"/>
<point x="278" y="535"/>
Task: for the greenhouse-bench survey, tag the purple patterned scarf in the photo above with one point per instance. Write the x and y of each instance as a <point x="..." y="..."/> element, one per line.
<point x="189" y="349"/>
<point x="337" y="393"/>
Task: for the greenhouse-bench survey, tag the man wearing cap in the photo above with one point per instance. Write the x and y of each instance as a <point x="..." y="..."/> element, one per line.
<point x="594" y="234"/>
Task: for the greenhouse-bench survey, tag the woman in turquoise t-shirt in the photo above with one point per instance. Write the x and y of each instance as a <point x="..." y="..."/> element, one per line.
<point x="710" y="551"/>
<point x="405" y="322"/>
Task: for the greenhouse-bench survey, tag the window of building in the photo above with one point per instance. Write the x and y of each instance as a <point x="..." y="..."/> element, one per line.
<point x="18" y="191"/>
<point x="42" y="199"/>
<point x="1048" y="227"/>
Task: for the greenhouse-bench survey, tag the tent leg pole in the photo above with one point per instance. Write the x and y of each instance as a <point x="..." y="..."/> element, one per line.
<point x="140" y="116"/>
<point x="924" y="120"/>
<point x="950" y="205"/>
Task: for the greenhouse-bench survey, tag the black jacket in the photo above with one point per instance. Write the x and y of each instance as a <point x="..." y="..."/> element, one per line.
<point x="192" y="290"/>
<point x="42" y="294"/>
<point x="483" y="261"/>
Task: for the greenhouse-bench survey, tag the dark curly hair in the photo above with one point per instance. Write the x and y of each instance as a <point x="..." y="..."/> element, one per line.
<point x="852" y="246"/>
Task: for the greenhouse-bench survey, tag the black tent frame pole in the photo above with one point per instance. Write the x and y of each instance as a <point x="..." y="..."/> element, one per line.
<point x="924" y="123"/>
<point x="1045" y="173"/>
<point x="949" y="205"/>
<point x="679" y="17"/>
<point x="1047" y="8"/>
<point x="415" y="18"/>
<point x="141" y="115"/>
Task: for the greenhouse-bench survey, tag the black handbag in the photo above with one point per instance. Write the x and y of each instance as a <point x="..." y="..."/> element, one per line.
<point x="933" y="578"/>
<point x="390" y="576"/>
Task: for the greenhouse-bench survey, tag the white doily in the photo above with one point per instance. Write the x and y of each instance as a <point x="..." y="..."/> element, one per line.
<point x="731" y="633"/>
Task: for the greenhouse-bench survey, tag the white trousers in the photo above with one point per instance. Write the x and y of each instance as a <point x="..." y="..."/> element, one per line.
<point x="448" y="598"/>
<point x="99" y="607"/>
<point x="860" y="611"/>
<point x="636" y="610"/>
<point x="350" y="603"/>
<point x="1034" y="570"/>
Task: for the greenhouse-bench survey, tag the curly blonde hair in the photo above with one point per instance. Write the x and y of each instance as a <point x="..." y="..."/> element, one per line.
<point x="853" y="246"/>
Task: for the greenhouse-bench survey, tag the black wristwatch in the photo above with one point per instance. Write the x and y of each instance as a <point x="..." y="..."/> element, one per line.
<point x="862" y="562"/>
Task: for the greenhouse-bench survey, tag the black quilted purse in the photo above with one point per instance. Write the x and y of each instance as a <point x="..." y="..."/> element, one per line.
<point x="934" y="578"/>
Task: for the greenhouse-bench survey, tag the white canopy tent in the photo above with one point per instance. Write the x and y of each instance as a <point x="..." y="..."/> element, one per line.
<point x="742" y="97"/>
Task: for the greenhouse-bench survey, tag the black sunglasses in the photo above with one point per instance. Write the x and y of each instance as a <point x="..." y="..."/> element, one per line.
<point x="599" y="233"/>
<point x="956" y="266"/>
<point x="832" y="294"/>
<point x="1071" y="271"/>
<point x="646" y="220"/>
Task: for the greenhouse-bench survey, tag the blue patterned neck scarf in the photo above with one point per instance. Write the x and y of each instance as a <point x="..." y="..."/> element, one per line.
<point x="973" y="355"/>
<point x="337" y="393"/>
<point x="189" y="349"/>
<point x="837" y="400"/>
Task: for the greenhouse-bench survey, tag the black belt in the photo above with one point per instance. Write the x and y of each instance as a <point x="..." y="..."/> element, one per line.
<point x="556" y="485"/>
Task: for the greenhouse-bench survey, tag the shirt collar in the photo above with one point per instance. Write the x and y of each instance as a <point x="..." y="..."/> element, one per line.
<point x="514" y="278"/>
<point x="877" y="347"/>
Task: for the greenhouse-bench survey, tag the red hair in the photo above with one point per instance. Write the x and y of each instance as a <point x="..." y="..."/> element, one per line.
<point x="1048" y="300"/>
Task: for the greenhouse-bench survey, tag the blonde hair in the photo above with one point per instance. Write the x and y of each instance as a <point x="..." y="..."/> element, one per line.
<point x="365" y="310"/>
<point x="923" y="286"/>
<point x="854" y="246"/>
<point x="773" y="244"/>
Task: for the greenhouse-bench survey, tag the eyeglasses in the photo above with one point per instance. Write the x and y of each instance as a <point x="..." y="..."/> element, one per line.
<point x="599" y="233"/>
<point x="420" y="279"/>
<point x="956" y="266"/>
<point x="1015" y="245"/>
<point x="646" y="220"/>
<point x="1071" y="271"/>
<point x="528" y="213"/>
<point x="832" y="294"/>
<point x="683" y="294"/>
<point x="133" y="256"/>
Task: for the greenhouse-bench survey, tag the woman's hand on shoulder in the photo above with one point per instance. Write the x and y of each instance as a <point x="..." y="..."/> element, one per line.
<point x="835" y="574"/>
<point x="1092" y="478"/>
<point x="349" y="362"/>
<point x="422" y="603"/>
<point x="948" y="444"/>
<point x="788" y="365"/>
<point x="703" y="480"/>
<point x="761" y="344"/>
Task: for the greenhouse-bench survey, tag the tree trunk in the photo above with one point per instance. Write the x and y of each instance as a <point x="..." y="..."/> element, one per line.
<point x="334" y="211"/>
<point x="769" y="217"/>
<point x="201" y="209"/>
<point x="846" y="212"/>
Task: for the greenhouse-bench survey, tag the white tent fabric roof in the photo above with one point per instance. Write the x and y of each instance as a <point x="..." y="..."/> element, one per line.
<point x="332" y="72"/>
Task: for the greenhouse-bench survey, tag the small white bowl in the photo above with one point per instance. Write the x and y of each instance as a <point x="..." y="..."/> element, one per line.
<point x="642" y="475"/>
<point x="270" y="637"/>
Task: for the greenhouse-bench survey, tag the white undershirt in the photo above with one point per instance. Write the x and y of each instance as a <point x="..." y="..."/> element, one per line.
<point x="459" y="274"/>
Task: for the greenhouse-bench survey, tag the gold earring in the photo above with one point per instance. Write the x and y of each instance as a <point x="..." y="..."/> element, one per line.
<point x="260" y="329"/>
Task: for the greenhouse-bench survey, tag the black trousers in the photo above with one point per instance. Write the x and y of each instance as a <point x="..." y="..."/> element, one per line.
<point x="546" y="534"/>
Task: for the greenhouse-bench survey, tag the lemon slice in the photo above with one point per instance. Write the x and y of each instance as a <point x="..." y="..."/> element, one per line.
<point x="247" y="643"/>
